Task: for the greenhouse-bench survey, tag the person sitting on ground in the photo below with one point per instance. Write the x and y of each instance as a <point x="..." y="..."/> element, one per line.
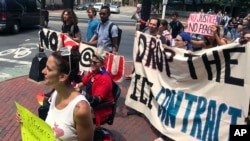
<point x="211" y="41"/>
<point x="69" y="111"/>
<point x="98" y="88"/>
<point x="70" y="27"/>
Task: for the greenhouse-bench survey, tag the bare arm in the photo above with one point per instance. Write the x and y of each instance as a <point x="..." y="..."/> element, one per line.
<point x="92" y="41"/>
<point x="217" y="37"/>
<point x="83" y="121"/>
<point x="114" y="45"/>
<point x="198" y="43"/>
<point x="77" y="37"/>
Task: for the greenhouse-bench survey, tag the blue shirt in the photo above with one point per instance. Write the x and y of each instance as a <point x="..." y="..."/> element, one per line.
<point x="103" y="35"/>
<point x="92" y="25"/>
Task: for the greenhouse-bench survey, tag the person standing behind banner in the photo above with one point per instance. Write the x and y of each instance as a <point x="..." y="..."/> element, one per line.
<point x="102" y="35"/>
<point x="211" y="40"/>
<point x="163" y="30"/>
<point x="183" y="40"/>
<point x="175" y="25"/>
<point x="92" y="23"/>
<point x="70" y="27"/>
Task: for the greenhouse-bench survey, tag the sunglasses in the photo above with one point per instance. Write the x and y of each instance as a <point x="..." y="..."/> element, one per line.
<point x="66" y="51"/>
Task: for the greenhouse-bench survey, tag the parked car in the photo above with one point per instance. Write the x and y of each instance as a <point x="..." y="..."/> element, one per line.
<point x="114" y="9"/>
<point x="83" y="6"/>
<point x="16" y="14"/>
<point x="98" y="6"/>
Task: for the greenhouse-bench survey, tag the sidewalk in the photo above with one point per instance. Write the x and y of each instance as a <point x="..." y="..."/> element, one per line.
<point x="23" y="91"/>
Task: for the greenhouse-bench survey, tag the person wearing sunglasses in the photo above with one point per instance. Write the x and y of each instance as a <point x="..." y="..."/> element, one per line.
<point x="69" y="113"/>
<point x="98" y="88"/>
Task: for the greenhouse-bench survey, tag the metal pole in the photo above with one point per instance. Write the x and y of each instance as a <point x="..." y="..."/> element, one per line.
<point x="163" y="12"/>
<point x="164" y="3"/>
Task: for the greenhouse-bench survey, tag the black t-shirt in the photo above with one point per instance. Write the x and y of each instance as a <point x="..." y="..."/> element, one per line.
<point x="177" y="27"/>
<point x="71" y="29"/>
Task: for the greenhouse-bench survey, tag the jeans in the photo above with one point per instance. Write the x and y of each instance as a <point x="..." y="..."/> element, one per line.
<point x="233" y="33"/>
<point x="225" y="31"/>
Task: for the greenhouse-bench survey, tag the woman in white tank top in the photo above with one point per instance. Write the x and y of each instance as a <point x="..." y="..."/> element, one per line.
<point x="69" y="115"/>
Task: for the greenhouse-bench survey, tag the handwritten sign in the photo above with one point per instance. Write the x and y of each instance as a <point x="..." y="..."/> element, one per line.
<point x="33" y="128"/>
<point x="200" y="23"/>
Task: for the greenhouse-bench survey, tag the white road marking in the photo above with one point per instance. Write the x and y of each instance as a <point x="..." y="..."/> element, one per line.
<point x="5" y="75"/>
<point x="15" y="61"/>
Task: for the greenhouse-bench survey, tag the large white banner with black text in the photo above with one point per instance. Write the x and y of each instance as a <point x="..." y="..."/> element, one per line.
<point x="190" y="96"/>
<point x="54" y="40"/>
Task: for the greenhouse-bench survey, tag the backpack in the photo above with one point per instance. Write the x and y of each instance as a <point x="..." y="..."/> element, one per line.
<point x="72" y="28"/>
<point x="110" y="35"/>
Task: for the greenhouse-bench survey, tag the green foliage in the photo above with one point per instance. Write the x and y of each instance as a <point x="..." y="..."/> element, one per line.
<point x="156" y="2"/>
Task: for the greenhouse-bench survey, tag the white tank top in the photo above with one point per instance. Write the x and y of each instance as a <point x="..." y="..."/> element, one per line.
<point x="61" y="121"/>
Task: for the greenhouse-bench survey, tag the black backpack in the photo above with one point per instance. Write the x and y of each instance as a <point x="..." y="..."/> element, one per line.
<point x="38" y="64"/>
<point x="110" y="35"/>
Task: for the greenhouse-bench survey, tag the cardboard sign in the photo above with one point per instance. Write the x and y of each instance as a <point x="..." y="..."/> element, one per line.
<point x="33" y="128"/>
<point x="200" y="23"/>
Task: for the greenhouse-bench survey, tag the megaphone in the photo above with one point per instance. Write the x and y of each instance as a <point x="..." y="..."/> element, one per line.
<point x="136" y="17"/>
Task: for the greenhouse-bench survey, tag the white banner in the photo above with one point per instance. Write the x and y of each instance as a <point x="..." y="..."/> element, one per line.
<point x="190" y="96"/>
<point x="54" y="40"/>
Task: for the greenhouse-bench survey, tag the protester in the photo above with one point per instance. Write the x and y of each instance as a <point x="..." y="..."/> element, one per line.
<point x="238" y="33"/>
<point x="183" y="40"/>
<point x="175" y="25"/>
<point x="245" y="24"/>
<point x="153" y="29"/>
<point x="163" y="30"/>
<point x="92" y="23"/>
<point x="69" y="111"/>
<point x="98" y="86"/>
<point x="230" y="27"/>
<point x="224" y="23"/>
<point x="211" y="41"/>
<point x="102" y="33"/>
<point x="245" y="37"/>
<point x="197" y="37"/>
<point x="70" y="27"/>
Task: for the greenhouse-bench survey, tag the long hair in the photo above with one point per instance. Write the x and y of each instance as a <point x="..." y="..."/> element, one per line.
<point x="72" y="16"/>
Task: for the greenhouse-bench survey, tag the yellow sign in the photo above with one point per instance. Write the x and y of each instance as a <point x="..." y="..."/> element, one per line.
<point x="33" y="128"/>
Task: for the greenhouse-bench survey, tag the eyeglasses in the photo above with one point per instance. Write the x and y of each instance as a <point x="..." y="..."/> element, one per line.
<point x="66" y="51"/>
<point x="95" y="62"/>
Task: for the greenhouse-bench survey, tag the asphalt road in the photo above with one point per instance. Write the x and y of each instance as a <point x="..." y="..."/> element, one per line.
<point x="17" y="51"/>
